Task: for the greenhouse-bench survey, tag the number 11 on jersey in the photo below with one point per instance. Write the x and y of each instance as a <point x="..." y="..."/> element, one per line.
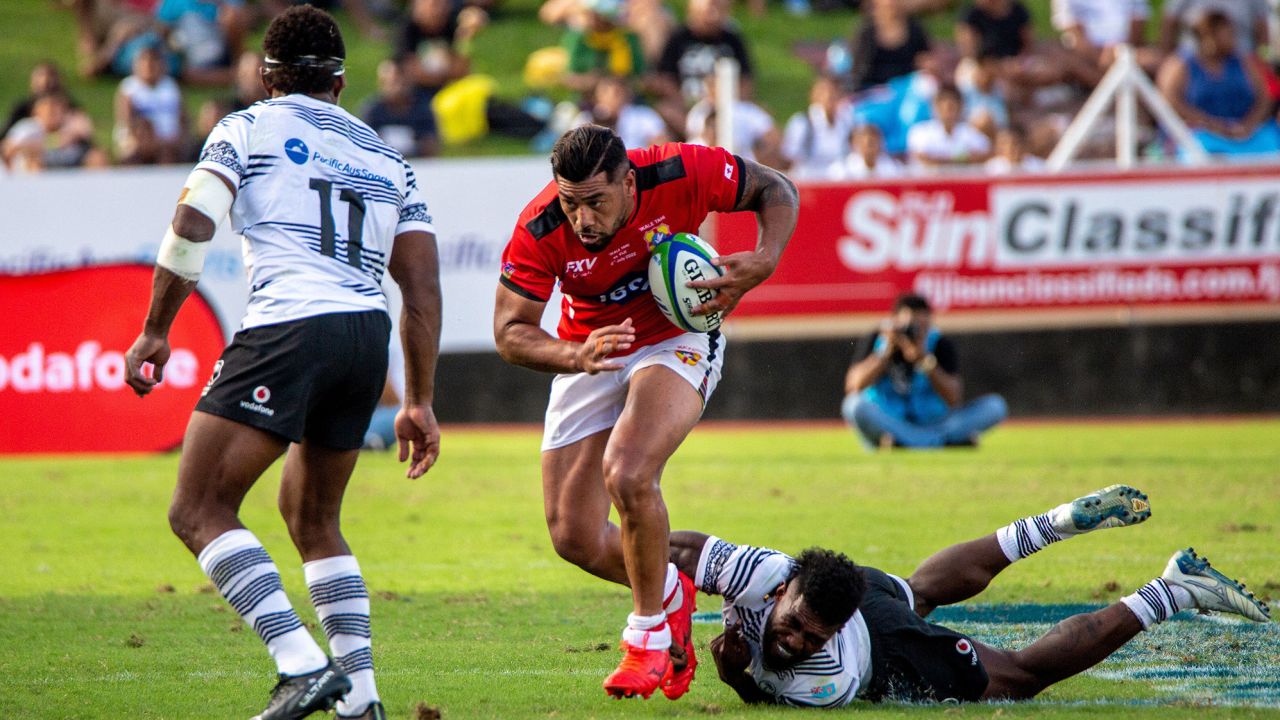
<point x="355" y="221"/>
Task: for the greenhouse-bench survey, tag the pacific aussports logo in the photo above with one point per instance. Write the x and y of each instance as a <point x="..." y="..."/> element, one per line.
<point x="688" y="357"/>
<point x="296" y="150"/>
<point x="508" y="269"/>
<point x="657" y="236"/>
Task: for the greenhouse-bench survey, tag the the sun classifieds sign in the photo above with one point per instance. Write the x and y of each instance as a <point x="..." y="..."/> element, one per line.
<point x="1168" y="238"/>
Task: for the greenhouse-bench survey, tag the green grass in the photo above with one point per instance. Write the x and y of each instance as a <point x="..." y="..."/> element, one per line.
<point x="104" y="615"/>
<point x="40" y="29"/>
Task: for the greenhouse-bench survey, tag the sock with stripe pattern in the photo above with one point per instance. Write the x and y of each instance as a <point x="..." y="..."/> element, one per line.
<point x="1157" y="601"/>
<point x="245" y="575"/>
<point x="342" y="603"/>
<point x="1027" y="536"/>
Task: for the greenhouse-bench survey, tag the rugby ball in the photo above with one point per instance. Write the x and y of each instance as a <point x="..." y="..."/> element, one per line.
<point x="674" y="261"/>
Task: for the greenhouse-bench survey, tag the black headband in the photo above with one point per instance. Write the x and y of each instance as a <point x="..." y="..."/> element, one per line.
<point x="309" y="61"/>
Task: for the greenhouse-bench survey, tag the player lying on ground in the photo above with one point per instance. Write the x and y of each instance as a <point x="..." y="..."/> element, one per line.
<point x="325" y="207"/>
<point x="819" y="631"/>
<point x="629" y="384"/>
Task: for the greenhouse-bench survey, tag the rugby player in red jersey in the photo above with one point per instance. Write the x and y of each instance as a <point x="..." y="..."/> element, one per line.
<point x="629" y="384"/>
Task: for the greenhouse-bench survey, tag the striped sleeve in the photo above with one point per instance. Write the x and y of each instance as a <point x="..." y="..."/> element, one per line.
<point x="413" y="209"/>
<point x="226" y="151"/>
<point x="744" y="575"/>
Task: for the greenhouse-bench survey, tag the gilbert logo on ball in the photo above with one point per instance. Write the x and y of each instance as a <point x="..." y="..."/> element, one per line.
<point x="673" y="262"/>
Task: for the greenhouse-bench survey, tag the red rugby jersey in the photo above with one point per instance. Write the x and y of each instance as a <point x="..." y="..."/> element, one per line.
<point x="677" y="185"/>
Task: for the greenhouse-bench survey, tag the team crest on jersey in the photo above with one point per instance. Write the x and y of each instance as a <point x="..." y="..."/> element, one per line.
<point x="508" y="269"/>
<point x="823" y="691"/>
<point x="688" y="357"/>
<point x="657" y="236"/>
<point x="296" y="150"/>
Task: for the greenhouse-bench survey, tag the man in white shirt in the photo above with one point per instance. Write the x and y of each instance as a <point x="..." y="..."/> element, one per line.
<point x="946" y="139"/>
<point x="638" y="126"/>
<point x="1011" y="154"/>
<point x="1093" y="28"/>
<point x="755" y="135"/>
<point x="819" y="631"/>
<point x="818" y="136"/>
<point x="867" y="159"/>
<point x="325" y="208"/>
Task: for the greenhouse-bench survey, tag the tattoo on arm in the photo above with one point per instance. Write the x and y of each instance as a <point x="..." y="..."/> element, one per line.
<point x="765" y="187"/>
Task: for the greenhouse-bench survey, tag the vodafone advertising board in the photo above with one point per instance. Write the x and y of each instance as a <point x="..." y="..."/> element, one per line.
<point x="1168" y="238"/>
<point x="62" y="372"/>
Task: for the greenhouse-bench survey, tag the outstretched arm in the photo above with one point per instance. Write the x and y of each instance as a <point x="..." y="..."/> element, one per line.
<point x="776" y="203"/>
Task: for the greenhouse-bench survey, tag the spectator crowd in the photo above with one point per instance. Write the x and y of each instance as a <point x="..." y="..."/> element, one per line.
<point x="891" y="100"/>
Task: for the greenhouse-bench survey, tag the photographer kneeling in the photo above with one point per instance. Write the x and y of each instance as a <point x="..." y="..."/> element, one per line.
<point x="906" y="389"/>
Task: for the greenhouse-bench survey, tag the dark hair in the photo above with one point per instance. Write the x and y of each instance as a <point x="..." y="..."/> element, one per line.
<point x="60" y="96"/>
<point x="830" y="583"/>
<point x="1015" y="130"/>
<point x="304" y="51"/>
<point x="949" y="89"/>
<point x="912" y="301"/>
<point x="585" y="151"/>
<point x="1210" y="21"/>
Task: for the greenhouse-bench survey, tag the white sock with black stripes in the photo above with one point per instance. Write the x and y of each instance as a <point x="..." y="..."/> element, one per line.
<point x="342" y="602"/>
<point x="1029" y="535"/>
<point x="1156" y="602"/>
<point x="245" y="575"/>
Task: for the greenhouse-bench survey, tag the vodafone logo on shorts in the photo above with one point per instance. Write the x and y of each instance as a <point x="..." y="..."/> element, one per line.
<point x="62" y="367"/>
<point x="260" y="395"/>
<point x="964" y="647"/>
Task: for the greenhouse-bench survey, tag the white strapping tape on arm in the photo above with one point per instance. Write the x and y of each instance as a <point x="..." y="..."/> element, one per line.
<point x="205" y="193"/>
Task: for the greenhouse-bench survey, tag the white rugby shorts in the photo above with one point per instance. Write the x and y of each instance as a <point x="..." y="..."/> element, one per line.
<point x="582" y="405"/>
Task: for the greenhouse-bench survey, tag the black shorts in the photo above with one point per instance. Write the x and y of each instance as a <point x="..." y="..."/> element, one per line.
<point x="913" y="660"/>
<point x="317" y="378"/>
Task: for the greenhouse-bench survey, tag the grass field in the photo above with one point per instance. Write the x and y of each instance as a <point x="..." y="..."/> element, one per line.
<point x="104" y="615"/>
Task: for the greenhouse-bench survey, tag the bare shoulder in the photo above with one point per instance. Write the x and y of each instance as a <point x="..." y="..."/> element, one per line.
<point x="764" y="187"/>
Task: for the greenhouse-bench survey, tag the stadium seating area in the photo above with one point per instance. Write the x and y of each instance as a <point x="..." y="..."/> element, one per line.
<point x="831" y="89"/>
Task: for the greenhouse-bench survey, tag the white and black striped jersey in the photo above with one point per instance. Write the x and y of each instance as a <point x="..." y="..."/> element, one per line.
<point x="747" y="578"/>
<point x="320" y="199"/>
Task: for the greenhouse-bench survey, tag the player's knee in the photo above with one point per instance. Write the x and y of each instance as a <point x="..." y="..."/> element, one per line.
<point x="183" y="521"/>
<point x="309" y="527"/>
<point x="630" y="486"/>
<point x="574" y="545"/>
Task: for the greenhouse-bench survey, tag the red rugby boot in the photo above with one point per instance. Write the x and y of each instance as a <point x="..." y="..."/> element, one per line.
<point x="640" y="672"/>
<point x="680" y="619"/>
